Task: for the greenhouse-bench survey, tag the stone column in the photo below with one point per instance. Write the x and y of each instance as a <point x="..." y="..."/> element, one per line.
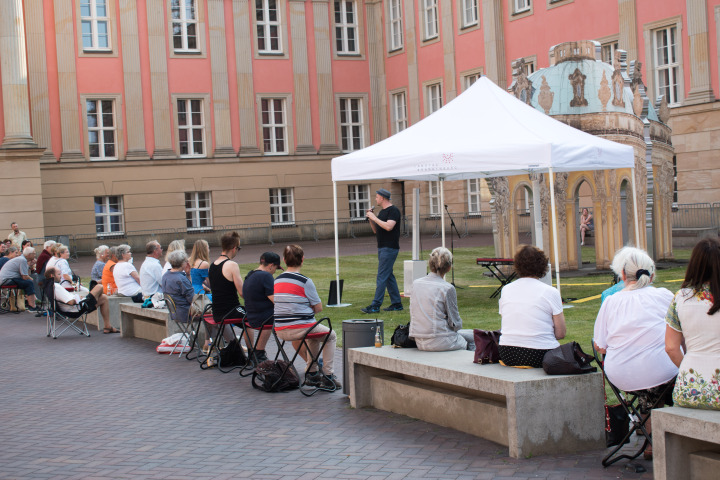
<point x="323" y="69"/>
<point x="163" y="148"/>
<point x="410" y="43"/>
<point x="133" y="100"/>
<point x="494" y="36"/>
<point x="243" y="67"/>
<point x="376" y="62"/>
<point x="221" y="92"/>
<point x="448" y="39"/>
<point x="37" y="78"/>
<point x="700" y="79"/>
<point x="628" y="41"/>
<point x="301" y="79"/>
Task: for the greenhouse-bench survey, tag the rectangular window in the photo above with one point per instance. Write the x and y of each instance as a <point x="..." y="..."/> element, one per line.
<point x="109" y="218"/>
<point x="399" y="112"/>
<point x="358" y="201"/>
<point x="529" y="67"/>
<point x="468" y="80"/>
<point x="95" y="24"/>
<point x="469" y="13"/>
<point x="102" y="143"/>
<point x="267" y="16"/>
<point x="434" y="98"/>
<point x="396" y="26"/>
<point x="667" y="65"/>
<point x="473" y="196"/>
<point x="521" y="6"/>
<point x="607" y="52"/>
<point x="184" y="25"/>
<point x="346" y="28"/>
<point x="434" y="195"/>
<point x="198" y="211"/>
<point x="282" y="207"/>
<point x="274" y="125"/>
<point x="351" y="124"/>
<point x="430" y="14"/>
<point x="191" y="127"/>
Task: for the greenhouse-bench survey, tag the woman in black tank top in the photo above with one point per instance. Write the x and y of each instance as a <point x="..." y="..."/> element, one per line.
<point x="224" y="291"/>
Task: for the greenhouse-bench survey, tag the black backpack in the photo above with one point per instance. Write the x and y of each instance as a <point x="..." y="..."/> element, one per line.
<point x="232" y="355"/>
<point x="267" y="376"/>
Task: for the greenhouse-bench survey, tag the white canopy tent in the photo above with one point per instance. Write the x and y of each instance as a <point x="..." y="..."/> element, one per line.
<point x="484" y="132"/>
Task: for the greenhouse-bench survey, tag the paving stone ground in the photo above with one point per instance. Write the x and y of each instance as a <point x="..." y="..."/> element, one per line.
<point x="107" y="407"/>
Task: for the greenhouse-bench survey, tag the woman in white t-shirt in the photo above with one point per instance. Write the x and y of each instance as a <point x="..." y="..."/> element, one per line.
<point x="126" y="276"/>
<point x="532" y="313"/>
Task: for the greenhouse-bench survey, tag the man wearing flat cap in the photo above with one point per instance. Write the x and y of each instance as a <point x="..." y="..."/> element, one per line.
<point x="259" y="295"/>
<point x="386" y="226"/>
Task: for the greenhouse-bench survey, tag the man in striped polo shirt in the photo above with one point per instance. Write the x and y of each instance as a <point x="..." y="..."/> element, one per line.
<point x="296" y="303"/>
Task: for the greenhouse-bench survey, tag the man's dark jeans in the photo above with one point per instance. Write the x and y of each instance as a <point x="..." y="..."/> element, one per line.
<point x="385" y="277"/>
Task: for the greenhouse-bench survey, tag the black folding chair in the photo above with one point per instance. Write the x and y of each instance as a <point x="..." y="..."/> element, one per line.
<point x="9" y="293"/>
<point x="252" y="362"/>
<point x="184" y="325"/>
<point x="58" y="322"/>
<point x="629" y="403"/>
<point x="218" y="343"/>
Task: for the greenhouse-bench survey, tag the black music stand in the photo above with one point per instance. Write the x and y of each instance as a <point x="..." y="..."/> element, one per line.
<point x="452" y="245"/>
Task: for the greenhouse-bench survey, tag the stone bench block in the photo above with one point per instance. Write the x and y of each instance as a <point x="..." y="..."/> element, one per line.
<point x="148" y="323"/>
<point x="114" y="302"/>
<point x="528" y="411"/>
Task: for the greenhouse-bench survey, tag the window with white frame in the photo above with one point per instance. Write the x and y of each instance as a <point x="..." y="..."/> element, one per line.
<point x="95" y="24"/>
<point x="667" y="65"/>
<point x="430" y="16"/>
<point x="520" y="6"/>
<point x="282" y="206"/>
<point x="109" y="218"/>
<point x="351" y="124"/>
<point x="191" y="127"/>
<point x="399" y="112"/>
<point x="434" y="98"/>
<point x="469" y="13"/>
<point x="529" y="66"/>
<point x="102" y="133"/>
<point x="607" y="52"/>
<point x="468" y="80"/>
<point x="434" y="196"/>
<point x="274" y="125"/>
<point x="198" y="211"/>
<point x="267" y="18"/>
<point x="473" y="196"/>
<point x="396" y="26"/>
<point x="358" y="200"/>
<point x="346" y="28"/>
<point x="184" y="25"/>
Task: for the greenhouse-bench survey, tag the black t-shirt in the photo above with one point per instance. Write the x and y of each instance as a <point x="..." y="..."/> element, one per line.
<point x="389" y="239"/>
<point x="258" y="285"/>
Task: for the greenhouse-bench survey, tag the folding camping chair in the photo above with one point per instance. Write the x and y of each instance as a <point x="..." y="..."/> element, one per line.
<point x="305" y="389"/>
<point x="629" y="403"/>
<point x="9" y="293"/>
<point x="185" y="326"/>
<point x="57" y="319"/>
<point x="252" y="362"/>
<point x="218" y="343"/>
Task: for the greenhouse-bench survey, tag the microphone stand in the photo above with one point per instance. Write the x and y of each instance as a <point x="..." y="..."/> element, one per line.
<point x="452" y="245"/>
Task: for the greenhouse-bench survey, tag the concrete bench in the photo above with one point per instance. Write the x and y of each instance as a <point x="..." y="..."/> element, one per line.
<point x="524" y="409"/>
<point x="686" y="443"/>
<point x="149" y="323"/>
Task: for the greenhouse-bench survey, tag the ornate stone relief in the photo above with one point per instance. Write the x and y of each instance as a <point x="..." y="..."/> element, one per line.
<point x="544" y="197"/>
<point x="521" y="87"/>
<point x="614" y="196"/>
<point x="640" y="106"/>
<point x="618" y="78"/>
<point x="604" y="92"/>
<point x="601" y="195"/>
<point x="663" y="111"/>
<point x="561" y="186"/>
<point x="500" y="190"/>
<point x="545" y="97"/>
<point x="577" y="80"/>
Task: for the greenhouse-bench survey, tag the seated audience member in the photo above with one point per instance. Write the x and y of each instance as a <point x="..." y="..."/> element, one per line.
<point x="63" y="254"/>
<point x="3" y="249"/>
<point x="26" y="243"/>
<point x="586" y="224"/>
<point x="108" y="279"/>
<point x="174" y="245"/>
<point x="11" y="253"/>
<point x="296" y="303"/>
<point x="630" y="331"/>
<point x="532" y="313"/>
<point x="44" y="256"/>
<point x="435" y="322"/>
<point x="226" y="282"/>
<point x="17" y="271"/>
<point x="125" y="275"/>
<point x="102" y="253"/>
<point x="176" y="284"/>
<point x="70" y="302"/>
<point x="151" y="271"/>
<point x="693" y="321"/>
<point x="199" y="267"/>
<point x="54" y="258"/>
<point x="258" y="292"/>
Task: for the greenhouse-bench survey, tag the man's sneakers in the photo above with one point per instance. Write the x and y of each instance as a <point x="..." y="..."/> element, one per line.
<point x="395" y="307"/>
<point x="313" y="379"/>
<point x="370" y="309"/>
<point x="316" y="379"/>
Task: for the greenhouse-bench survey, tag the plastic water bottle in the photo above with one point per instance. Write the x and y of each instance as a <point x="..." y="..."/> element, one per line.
<point x="378" y="340"/>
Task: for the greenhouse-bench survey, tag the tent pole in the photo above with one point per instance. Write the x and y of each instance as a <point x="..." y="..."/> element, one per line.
<point x="635" y="208"/>
<point x="337" y="245"/>
<point x="555" y="230"/>
<point x="442" y="210"/>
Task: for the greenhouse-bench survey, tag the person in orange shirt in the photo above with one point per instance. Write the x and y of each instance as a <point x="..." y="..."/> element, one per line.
<point x="108" y="280"/>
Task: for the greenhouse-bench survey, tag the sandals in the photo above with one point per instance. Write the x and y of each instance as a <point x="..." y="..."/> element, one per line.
<point x="111" y="330"/>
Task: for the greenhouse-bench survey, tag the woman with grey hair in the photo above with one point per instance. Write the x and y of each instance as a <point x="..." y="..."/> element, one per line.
<point x="435" y="322"/>
<point x="616" y="266"/>
<point x="102" y="253"/>
<point x="126" y="276"/>
<point x="176" y="284"/>
<point x="630" y="331"/>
